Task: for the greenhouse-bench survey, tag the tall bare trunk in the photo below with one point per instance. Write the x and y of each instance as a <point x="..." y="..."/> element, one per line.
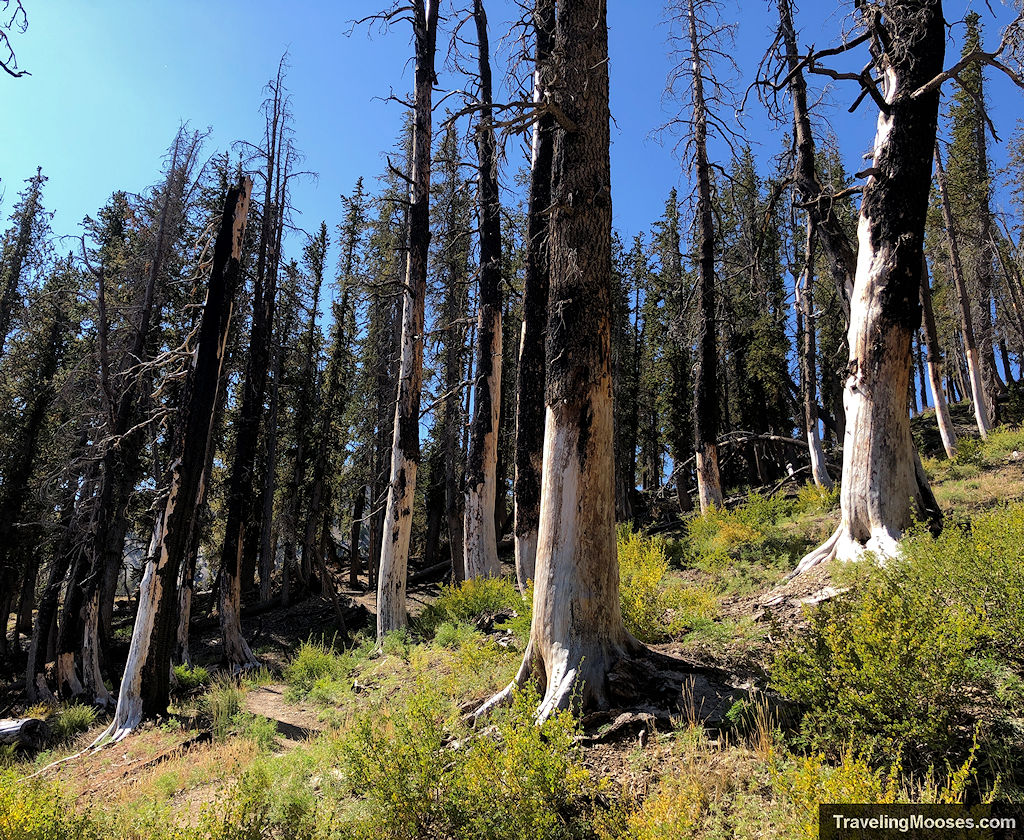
<point x="981" y="408"/>
<point x="881" y="482"/>
<point x="405" y="450"/>
<point x="577" y="634"/>
<point x="146" y="684"/>
<point x="934" y="363"/>
<point x="706" y="408"/>
<point x="530" y="393"/>
<point x="481" y="545"/>
<point x="804" y="303"/>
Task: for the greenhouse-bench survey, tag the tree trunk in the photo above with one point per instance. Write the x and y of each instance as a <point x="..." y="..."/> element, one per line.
<point x="981" y="408"/>
<point x="146" y="685"/>
<point x="577" y="634"/>
<point x="481" y="545"/>
<point x="880" y="483"/>
<point x="405" y="450"/>
<point x="706" y="409"/>
<point x="530" y="393"/>
<point x="804" y="302"/>
<point x="934" y="363"/>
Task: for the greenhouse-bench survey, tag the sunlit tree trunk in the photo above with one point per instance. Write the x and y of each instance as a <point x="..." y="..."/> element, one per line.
<point x="405" y="450"/>
<point x="934" y="364"/>
<point x="577" y="634"/>
<point x="481" y="544"/>
<point x="881" y="482"/>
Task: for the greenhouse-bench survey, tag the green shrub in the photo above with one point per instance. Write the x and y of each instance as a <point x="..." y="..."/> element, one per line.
<point x="222" y="702"/>
<point x="192" y="679"/>
<point x="452" y="634"/>
<point x="38" y="810"/>
<point x="468" y="601"/>
<point x="68" y="721"/>
<point x="814" y="499"/>
<point x="420" y="776"/>
<point x="884" y="670"/>
<point x="969" y="451"/>
<point x="257" y="728"/>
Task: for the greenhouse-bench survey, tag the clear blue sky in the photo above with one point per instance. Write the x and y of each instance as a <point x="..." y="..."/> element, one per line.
<point x="111" y="80"/>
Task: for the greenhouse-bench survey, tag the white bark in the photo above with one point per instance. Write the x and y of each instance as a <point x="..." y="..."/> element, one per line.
<point x="481" y="546"/>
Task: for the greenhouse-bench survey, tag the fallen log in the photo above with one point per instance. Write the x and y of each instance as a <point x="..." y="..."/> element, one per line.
<point x="29" y="733"/>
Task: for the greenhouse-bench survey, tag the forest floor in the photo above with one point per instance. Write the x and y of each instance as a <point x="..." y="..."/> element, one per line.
<point x="339" y="738"/>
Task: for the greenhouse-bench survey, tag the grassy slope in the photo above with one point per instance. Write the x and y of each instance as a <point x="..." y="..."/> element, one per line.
<point x="353" y="744"/>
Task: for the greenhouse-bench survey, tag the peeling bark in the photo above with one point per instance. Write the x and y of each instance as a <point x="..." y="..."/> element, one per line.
<point x="881" y="483"/>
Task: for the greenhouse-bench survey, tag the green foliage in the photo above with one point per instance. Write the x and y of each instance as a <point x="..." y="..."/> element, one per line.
<point x="257" y="728"/>
<point x="453" y="634"/>
<point x="321" y="672"/>
<point x="745" y="547"/>
<point x="420" y="777"/>
<point x="222" y="702"/>
<point x="468" y="601"/>
<point x="891" y="667"/>
<point x="37" y="810"/>
<point x="69" y="721"/>
<point x="655" y="606"/>
<point x="190" y="680"/>
<point x="814" y="499"/>
<point x="970" y="451"/>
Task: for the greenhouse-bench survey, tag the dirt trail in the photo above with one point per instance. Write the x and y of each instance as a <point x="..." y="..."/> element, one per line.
<point x="295" y="721"/>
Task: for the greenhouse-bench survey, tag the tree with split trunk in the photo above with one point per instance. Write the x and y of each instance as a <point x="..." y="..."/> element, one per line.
<point x="882" y="482"/>
<point x="405" y="451"/>
<point x="145" y="687"/>
<point x="529" y="438"/>
<point x="481" y="544"/>
<point x="577" y="635"/>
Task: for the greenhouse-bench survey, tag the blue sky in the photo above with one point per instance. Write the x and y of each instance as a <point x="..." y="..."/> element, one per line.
<point x="112" y="79"/>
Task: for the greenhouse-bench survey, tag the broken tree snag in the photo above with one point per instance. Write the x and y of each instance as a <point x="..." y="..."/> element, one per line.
<point x="706" y="411"/>
<point x="934" y="363"/>
<point x="880" y="484"/>
<point x="405" y="450"/>
<point x="804" y="303"/>
<point x="481" y="544"/>
<point x="981" y="408"/>
<point x="529" y="442"/>
<point x="577" y="635"/>
<point x="145" y="687"/>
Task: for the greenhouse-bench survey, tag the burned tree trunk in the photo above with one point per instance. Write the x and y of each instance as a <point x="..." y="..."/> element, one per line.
<point x="577" y="634"/>
<point x="529" y="442"/>
<point x="705" y="395"/>
<point x="146" y="684"/>
<point x="481" y="467"/>
<point x="881" y="483"/>
<point x="405" y="450"/>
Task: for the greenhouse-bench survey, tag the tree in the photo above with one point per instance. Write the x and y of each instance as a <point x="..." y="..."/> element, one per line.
<point x="243" y="517"/>
<point x="405" y="452"/>
<point x="577" y="634"/>
<point x="24" y="248"/>
<point x="482" y="465"/>
<point x="698" y="43"/>
<point x="530" y="391"/>
<point x="145" y="686"/>
<point x="880" y="482"/>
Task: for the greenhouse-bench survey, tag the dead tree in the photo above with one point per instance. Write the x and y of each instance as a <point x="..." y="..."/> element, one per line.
<point x="145" y="687"/>
<point x="529" y="443"/>
<point x="405" y="451"/>
<point x="934" y="364"/>
<point x="577" y="635"/>
<point x="481" y="544"/>
<point x="881" y="482"/>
